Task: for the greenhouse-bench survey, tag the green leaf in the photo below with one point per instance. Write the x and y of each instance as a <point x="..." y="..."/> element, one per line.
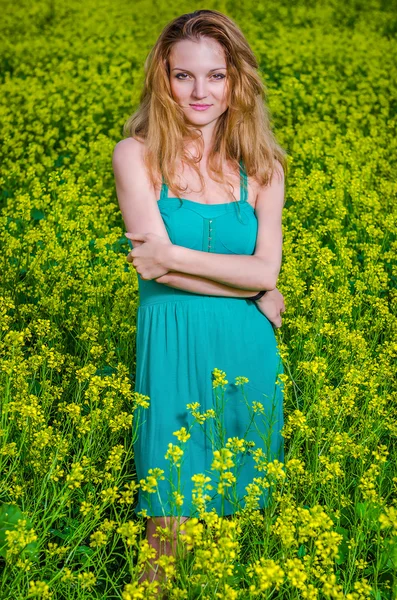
<point x="10" y="515"/>
<point x="105" y="371"/>
<point x="58" y="533"/>
<point x="301" y="551"/>
<point x="37" y="214"/>
<point x="388" y="558"/>
<point x="343" y="549"/>
<point x="84" y="550"/>
<point x="369" y="514"/>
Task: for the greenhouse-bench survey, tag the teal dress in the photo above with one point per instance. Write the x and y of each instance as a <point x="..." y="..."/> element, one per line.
<point x="182" y="337"/>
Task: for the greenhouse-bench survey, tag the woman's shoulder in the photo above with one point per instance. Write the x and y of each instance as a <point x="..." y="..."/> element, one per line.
<point x="131" y="143"/>
<point x="128" y="156"/>
<point x="130" y="168"/>
<point x="130" y="149"/>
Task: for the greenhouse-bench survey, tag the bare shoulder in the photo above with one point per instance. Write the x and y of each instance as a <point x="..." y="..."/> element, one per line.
<point x="129" y="167"/>
<point x="135" y="193"/>
<point x="273" y="192"/>
<point x="128" y="149"/>
<point x="279" y="173"/>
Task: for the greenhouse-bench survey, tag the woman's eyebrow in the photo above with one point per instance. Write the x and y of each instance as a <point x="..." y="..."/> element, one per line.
<point x="187" y="70"/>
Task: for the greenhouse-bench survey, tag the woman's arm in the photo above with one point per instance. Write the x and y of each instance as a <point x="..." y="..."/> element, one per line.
<point x="246" y="272"/>
<point x="255" y="272"/>
<point x="271" y="304"/>
<point x="201" y="285"/>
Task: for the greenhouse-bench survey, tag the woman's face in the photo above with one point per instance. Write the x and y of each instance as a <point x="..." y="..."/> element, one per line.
<point x="198" y="76"/>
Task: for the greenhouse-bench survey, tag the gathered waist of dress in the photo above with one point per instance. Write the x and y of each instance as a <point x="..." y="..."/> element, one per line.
<point x="151" y="292"/>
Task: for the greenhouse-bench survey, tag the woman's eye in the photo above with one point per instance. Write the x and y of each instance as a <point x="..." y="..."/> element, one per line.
<point x="218" y="76"/>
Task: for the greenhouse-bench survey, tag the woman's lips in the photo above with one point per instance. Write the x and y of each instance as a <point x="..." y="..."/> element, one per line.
<point x="198" y="107"/>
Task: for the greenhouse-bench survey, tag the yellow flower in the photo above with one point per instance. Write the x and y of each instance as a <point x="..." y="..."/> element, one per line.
<point x="151" y="482"/>
<point x="182" y="434"/>
<point x="98" y="539"/>
<point x="167" y="563"/>
<point x="275" y="470"/>
<point x="87" y="580"/>
<point x="146" y="551"/>
<point x="219" y="378"/>
<point x="193" y="406"/>
<point x="55" y="550"/>
<point x="222" y="460"/>
<point x="108" y="525"/>
<point x="75" y="477"/>
<point x="241" y="380"/>
<point x="127" y="495"/>
<point x="199" y="497"/>
<point x="68" y="576"/>
<point x="110" y="494"/>
<point x="226" y="479"/>
<point x="266" y="573"/>
<point x="86" y="507"/>
<point x="141" y="400"/>
<point x="130" y="531"/>
<point x="25" y="564"/>
<point x="236" y="444"/>
<point x="228" y="592"/>
<point x="174" y="453"/>
<point x="296" y="572"/>
<point x="19" y="537"/>
<point x="115" y="456"/>
<point x="39" y="588"/>
<point x="140" y="591"/>
<point x="389" y="519"/>
<point x="258" y="407"/>
<point x="178" y="498"/>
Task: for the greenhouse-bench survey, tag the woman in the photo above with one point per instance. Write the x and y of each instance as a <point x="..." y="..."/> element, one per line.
<point x="207" y="263"/>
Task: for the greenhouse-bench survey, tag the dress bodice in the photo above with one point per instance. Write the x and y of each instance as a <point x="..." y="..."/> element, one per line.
<point x="226" y="228"/>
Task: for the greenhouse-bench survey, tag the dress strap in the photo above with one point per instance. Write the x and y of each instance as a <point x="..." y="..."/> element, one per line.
<point x="164" y="189"/>
<point x="243" y="183"/>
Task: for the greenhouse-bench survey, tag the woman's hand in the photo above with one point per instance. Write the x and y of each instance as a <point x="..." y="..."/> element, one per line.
<point x="272" y="305"/>
<point x="151" y="255"/>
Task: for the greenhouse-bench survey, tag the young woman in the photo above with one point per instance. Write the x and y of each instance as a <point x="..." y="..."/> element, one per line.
<point x="207" y="263"/>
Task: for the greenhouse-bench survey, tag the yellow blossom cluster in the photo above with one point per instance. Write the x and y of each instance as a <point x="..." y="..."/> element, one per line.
<point x="69" y="311"/>
<point x="219" y="378"/>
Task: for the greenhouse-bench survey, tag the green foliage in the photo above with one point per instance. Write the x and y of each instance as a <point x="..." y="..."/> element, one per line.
<point x="70" y="75"/>
<point x="10" y="519"/>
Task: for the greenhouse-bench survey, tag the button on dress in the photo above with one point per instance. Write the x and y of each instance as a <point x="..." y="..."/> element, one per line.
<point x="181" y="338"/>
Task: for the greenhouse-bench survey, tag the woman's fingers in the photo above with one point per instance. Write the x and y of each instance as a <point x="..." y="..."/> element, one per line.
<point x="277" y="321"/>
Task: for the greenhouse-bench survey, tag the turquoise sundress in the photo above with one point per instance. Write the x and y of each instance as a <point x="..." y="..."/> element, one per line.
<point x="182" y="338"/>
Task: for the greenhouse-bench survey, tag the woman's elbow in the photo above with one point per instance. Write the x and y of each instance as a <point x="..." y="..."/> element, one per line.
<point x="269" y="282"/>
<point x="269" y="274"/>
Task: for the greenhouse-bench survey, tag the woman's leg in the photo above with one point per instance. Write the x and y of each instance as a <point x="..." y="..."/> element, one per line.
<point x="169" y="546"/>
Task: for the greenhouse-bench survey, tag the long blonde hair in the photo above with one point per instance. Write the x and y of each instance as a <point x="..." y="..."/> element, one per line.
<point x="243" y="131"/>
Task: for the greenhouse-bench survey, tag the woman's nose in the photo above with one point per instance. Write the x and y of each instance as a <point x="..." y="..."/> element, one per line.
<point x="200" y="89"/>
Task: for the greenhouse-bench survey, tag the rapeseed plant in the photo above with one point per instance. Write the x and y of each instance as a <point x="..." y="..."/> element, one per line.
<point x="68" y="308"/>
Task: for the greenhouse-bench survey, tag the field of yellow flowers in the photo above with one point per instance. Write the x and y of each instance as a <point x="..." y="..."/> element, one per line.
<point x="71" y="73"/>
